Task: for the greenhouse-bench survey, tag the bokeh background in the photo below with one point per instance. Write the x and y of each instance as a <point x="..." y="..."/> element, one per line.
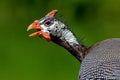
<point x="25" y="58"/>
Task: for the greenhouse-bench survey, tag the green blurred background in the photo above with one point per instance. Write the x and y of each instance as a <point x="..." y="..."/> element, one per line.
<point x="25" y="58"/>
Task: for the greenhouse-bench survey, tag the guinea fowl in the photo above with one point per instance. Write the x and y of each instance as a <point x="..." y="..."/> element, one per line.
<point x="98" y="62"/>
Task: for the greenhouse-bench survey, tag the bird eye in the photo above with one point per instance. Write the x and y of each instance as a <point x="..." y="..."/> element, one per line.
<point x="47" y="23"/>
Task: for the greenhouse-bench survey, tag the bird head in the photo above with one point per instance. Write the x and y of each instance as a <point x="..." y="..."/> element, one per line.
<point x="46" y="26"/>
<point x="54" y="30"/>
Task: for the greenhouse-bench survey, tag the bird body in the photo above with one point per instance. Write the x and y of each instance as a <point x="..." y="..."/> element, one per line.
<point x="98" y="62"/>
<point x="102" y="61"/>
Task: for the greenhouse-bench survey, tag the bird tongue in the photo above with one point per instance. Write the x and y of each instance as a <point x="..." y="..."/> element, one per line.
<point x="40" y="32"/>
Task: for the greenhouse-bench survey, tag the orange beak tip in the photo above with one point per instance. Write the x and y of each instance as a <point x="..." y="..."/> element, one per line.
<point x="35" y="34"/>
<point x="30" y="27"/>
<point x="30" y="36"/>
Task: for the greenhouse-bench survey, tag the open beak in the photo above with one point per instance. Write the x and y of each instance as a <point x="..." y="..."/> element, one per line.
<point x="40" y="31"/>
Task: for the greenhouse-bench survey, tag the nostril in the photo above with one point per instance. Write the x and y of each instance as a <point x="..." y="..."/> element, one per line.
<point x="36" y="23"/>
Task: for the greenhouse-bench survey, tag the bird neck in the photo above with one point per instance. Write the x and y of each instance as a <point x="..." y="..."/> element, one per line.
<point x="70" y="42"/>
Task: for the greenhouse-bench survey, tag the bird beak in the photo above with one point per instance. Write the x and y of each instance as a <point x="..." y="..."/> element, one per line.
<point x="40" y="31"/>
<point x="34" y="25"/>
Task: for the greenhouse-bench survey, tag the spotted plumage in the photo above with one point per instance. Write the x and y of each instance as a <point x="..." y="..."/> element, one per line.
<point x="102" y="61"/>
